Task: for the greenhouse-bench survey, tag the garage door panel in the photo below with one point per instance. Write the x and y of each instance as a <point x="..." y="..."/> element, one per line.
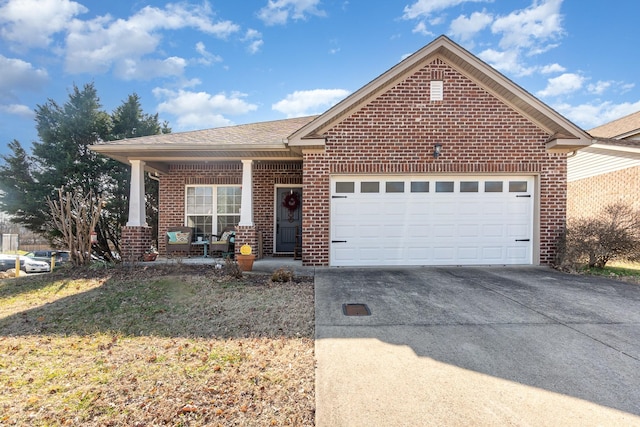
<point x="468" y="254"/>
<point x="444" y="254"/>
<point x="517" y="231"/>
<point x="492" y="253"/>
<point x="515" y="253"/>
<point x="344" y="232"/>
<point x="493" y="230"/>
<point x="443" y="207"/>
<point x="429" y="228"/>
<point x="468" y="230"/>
<point x="420" y="231"/>
<point x="445" y="230"/>
<point x="469" y="208"/>
<point x="493" y="208"/>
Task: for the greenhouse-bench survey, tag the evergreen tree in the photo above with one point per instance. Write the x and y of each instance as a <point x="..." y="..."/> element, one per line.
<point x="62" y="159"/>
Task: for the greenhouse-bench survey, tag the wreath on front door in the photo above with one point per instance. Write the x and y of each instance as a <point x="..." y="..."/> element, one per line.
<point x="291" y="201"/>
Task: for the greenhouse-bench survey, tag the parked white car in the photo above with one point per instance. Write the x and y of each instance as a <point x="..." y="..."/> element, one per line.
<point x="28" y="265"/>
<point x="34" y="266"/>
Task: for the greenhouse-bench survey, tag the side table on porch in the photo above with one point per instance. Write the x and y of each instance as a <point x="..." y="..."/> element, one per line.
<point x="205" y="245"/>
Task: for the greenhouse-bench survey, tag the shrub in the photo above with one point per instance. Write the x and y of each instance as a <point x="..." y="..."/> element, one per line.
<point x="282" y="275"/>
<point x="613" y="234"/>
<point x="231" y="268"/>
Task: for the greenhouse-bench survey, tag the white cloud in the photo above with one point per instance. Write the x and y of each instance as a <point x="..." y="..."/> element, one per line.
<point x="562" y="85"/>
<point x="531" y="28"/>
<point x="599" y="87"/>
<point x="588" y="116"/>
<point x="206" y="57"/>
<point x="421" y="28"/>
<point x="254" y="38"/>
<point x="95" y="46"/>
<point x="18" y="110"/>
<point x="507" y="62"/>
<point x="424" y="8"/>
<point x="465" y="28"/>
<point x="254" y="46"/>
<point x="147" y="69"/>
<point x="197" y="110"/>
<point x="18" y="74"/>
<point x="552" y="68"/>
<point x="31" y="23"/>
<point x="306" y="102"/>
<point x="278" y="12"/>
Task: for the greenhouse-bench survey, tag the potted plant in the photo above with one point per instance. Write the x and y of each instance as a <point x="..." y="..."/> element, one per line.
<point x="150" y="254"/>
<point x="246" y="258"/>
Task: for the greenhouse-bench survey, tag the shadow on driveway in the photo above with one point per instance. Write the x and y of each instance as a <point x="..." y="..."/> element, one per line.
<point x="482" y="346"/>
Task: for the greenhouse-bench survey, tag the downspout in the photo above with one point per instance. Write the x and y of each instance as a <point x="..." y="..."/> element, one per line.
<point x="154" y="177"/>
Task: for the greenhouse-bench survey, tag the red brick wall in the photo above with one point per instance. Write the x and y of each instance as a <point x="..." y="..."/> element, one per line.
<point x="266" y="175"/>
<point x="172" y="187"/>
<point x="134" y="242"/>
<point x="396" y="132"/>
<point x="587" y="197"/>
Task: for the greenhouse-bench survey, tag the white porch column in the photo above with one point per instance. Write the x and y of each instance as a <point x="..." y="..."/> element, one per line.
<point x="246" y="202"/>
<point x="137" y="214"/>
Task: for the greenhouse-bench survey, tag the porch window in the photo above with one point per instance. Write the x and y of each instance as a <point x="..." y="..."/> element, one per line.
<point x="209" y="209"/>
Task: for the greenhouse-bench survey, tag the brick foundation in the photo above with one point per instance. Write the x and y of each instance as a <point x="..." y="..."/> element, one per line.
<point x="246" y="236"/>
<point x="134" y="241"/>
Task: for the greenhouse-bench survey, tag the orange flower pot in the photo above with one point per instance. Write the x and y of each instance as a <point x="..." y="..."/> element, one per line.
<point x="245" y="262"/>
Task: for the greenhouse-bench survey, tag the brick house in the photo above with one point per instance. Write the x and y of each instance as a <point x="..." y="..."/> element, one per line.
<point x="608" y="171"/>
<point x="441" y="160"/>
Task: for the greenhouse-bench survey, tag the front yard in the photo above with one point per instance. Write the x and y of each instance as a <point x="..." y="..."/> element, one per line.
<point x="151" y="346"/>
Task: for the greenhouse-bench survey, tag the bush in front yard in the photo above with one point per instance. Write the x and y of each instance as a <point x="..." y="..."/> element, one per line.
<point x="612" y="235"/>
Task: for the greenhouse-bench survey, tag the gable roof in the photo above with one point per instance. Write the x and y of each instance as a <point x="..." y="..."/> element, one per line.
<point x="263" y="140"/>
<point x="622" y="128"/>
<point x="564" y="136"/>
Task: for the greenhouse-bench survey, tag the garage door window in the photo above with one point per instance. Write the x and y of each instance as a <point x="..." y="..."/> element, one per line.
<point x="493" y="187"/>
<point x="394" y="187"/>
<point x="420" y="186"/>
<point x="469" y="186"/>
<point x="444" y="186"/>
<point x="369" y="187"/>
<point x="345" y="187"/>
<point x="517" y="186"/>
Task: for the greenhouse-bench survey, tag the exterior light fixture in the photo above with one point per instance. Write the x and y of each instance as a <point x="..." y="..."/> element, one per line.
<point x="436" y="150"/>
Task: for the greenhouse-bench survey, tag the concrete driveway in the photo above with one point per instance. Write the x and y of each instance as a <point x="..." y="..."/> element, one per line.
<point x="476" y="346"/>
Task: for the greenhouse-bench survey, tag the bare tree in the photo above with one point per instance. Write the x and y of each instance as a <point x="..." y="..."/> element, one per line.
<point x="76" y="216"/>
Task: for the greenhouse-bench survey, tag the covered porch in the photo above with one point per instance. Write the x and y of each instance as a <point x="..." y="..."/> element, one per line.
<point x="240" y="176"/>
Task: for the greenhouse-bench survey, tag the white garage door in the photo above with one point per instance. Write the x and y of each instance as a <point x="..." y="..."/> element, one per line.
<point x="444" y="220"/>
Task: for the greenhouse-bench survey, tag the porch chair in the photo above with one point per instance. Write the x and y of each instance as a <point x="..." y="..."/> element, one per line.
<point x="223" y="242"/>
<point x="178" y="239"/>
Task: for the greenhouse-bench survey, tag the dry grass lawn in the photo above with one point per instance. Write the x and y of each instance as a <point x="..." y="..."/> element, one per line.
<point x="152" y="347"/>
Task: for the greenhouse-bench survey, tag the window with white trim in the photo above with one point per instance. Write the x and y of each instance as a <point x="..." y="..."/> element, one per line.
<point x="211" y="208"/>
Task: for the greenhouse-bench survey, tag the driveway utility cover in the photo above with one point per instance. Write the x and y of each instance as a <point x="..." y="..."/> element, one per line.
<point x="481" y="346"/>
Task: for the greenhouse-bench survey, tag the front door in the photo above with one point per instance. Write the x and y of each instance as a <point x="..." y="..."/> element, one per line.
<point x="288" y="219"/>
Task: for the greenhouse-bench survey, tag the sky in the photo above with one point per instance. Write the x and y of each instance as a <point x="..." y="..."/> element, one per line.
<point x="204" y="64"/>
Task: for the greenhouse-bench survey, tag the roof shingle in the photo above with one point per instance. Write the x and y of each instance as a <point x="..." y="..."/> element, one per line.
<point x="619" y="127"/>
<point x="271" y="132"/>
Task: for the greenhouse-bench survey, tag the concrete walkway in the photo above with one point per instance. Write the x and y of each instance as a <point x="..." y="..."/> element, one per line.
<point x="476" y="346"/>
